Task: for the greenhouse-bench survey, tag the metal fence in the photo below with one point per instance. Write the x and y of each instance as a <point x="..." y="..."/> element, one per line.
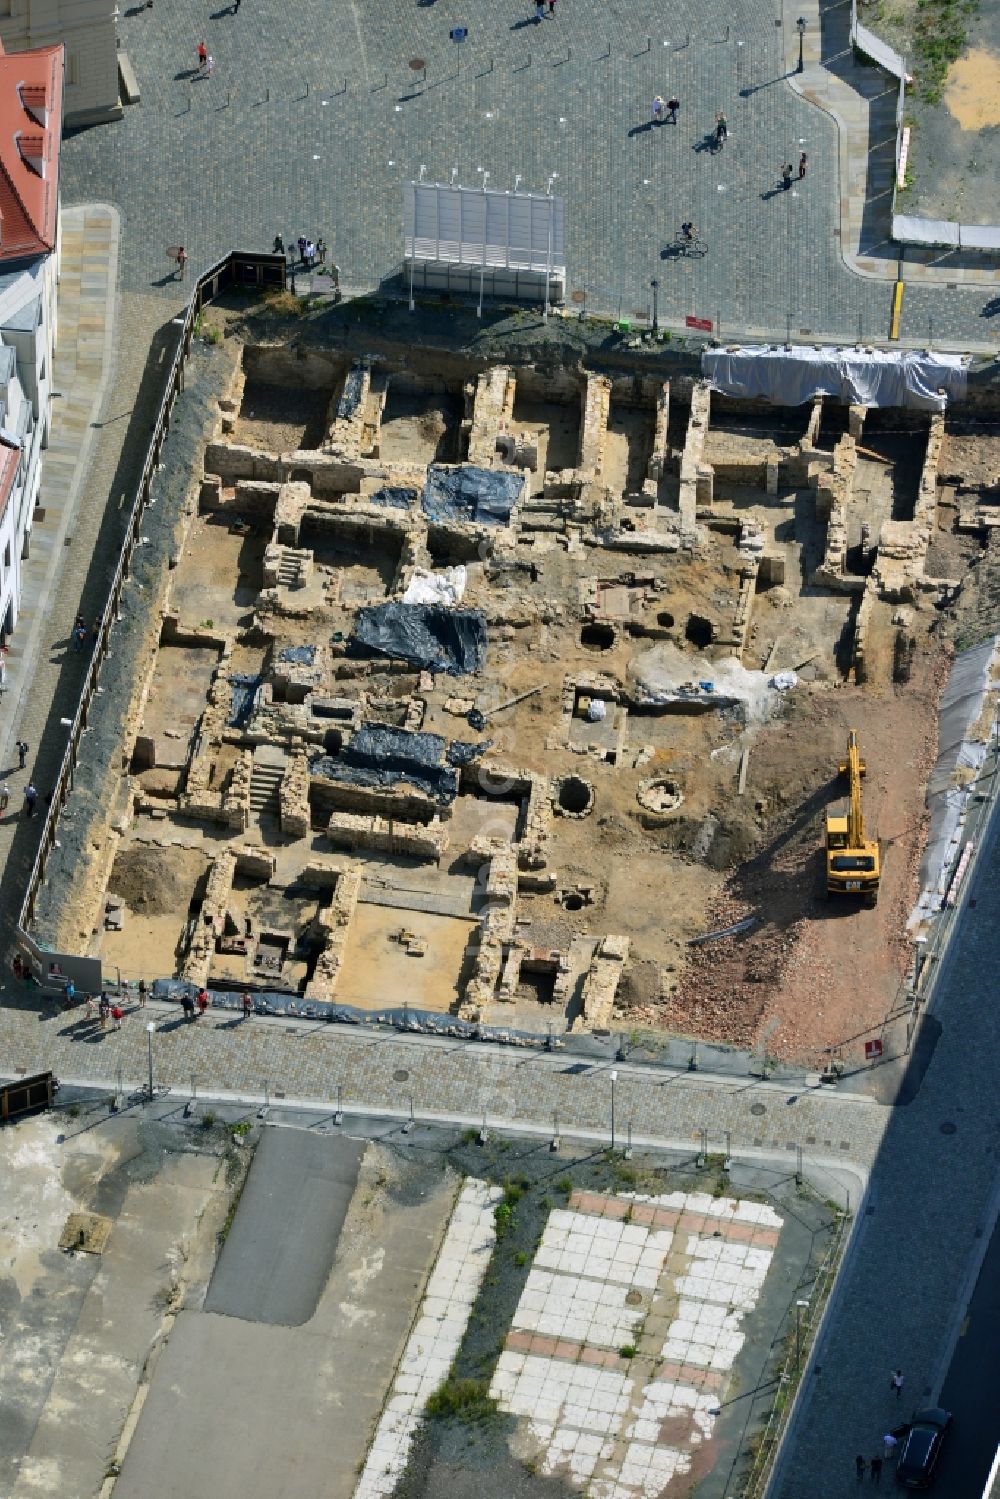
<point x="238" y="268"/>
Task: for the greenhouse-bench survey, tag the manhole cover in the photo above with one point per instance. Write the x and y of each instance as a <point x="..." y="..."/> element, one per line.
<point x="948" y="1128"/>
<point x="400" y="1075"/>
<point x="757" y="1108"/>
<point x="633" y="1298"/>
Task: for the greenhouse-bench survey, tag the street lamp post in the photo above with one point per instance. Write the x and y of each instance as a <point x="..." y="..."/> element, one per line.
<point x="548" y="253"/>
<point x="798" y="1332"/>
<point x="614" y="1079"/>
<point x="482" y="263"/>
<point x="656" y="322"/>
<point x="150" y="1028"/>
<point x="801" y="24"/>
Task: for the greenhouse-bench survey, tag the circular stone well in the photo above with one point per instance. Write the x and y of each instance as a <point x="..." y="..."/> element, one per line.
<point x="574" y="797"/>
<point x="659" y="794"/>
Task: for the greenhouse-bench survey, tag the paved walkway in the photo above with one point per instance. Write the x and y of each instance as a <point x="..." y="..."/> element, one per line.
<point x="456" y="1080"/>
<point x="314" y="128"/>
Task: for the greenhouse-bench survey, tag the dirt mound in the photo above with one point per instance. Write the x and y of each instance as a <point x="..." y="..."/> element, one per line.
<point x="640" y="985"/>
<point x="157" y="881"/>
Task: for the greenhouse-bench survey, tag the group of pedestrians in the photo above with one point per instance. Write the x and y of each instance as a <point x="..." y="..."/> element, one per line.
<point x="788" y="171"/>
<point x="665" y="111"/>
<point x="310" y="252"/>
<point x="30" y="791"/>
<point x="873" y="1466"/>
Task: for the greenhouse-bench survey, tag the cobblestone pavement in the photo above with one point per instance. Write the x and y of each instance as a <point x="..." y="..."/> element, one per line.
<point x="456" y="1080"/>
<point x="313" y="120"/>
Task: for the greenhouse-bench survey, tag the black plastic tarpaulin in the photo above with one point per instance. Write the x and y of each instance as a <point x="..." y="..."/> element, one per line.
<point x="428" y="635"/>
<point x="484" y="495"/>
<point x="380" y="755"/>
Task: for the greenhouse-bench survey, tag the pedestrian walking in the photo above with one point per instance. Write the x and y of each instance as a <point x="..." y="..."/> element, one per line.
<point x="539" y="11"/>
<point x="658" y="109"/>
<point x="802" y="166"/>
<point x="321" y="250"/>
<point x="70" y="992"/>
<point x="310" y="254"/>
<point x="4" y="796"/>
<point x="103" y="1010"/>
<point x="88" y="1007"/>
<point x="673" y="105"/>
<point x="181" y="258"/>
<point x="142" y="994"/>
<point x="896" y="1383"/>
<point x="301" y="242"/>
<point x="278" y="248"/>
<point x="117" y="1016"/>
<point x="552" y="7"/>
<point x="30" y="798"/>
<point x="17" y="967"/>
<point x="202" y="56"/>
<point x="22" y="748"/>
<point x="209" y="65"/>
<point x="875" y="1468"/>
<point x="187" y="1005"/>
<point x="786" y="176"/>
<point x="79" y="637"/>
<point x="721" y="129"/>
<point x="859" y="1467"/>
<point x="247" y="1004"/>
<point x="202" y="1001"/>
<point x="889" y="1446"/>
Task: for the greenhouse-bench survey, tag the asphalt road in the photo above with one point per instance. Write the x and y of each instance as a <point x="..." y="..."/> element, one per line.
<point x="969" y="1389"/>
<point x="277" y="1256"/>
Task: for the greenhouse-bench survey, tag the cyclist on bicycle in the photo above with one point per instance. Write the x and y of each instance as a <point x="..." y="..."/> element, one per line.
<point x="688" y="231"/>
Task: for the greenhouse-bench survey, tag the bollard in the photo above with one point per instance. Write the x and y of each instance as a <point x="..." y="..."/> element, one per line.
<point x="798" y="1165"/>
<point x="484" y="1133"/>
<point x="265" y="1107"/>
<point x="338" y="1117"/>
<point x="408" y="1126"/>
<point x="703" y="1152"/>
<point x="628" y="1141"/>
<point x="554" y="1142"/>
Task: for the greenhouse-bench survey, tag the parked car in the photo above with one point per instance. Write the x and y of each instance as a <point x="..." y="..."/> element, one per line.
<point x="921" y="1448"/>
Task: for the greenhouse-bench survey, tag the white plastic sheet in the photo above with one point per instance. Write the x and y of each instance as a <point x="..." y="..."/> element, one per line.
<point x="865" y="377"/>
<point x="445" y="587"/>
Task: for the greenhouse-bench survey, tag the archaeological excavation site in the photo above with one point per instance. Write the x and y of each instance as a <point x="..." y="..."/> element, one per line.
<point x="488" y="695"/>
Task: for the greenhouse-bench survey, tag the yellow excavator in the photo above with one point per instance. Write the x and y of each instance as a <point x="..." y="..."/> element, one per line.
<point x="853" y="863"/>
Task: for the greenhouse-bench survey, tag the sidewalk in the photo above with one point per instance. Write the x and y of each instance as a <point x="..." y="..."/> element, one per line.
<point x="862" y="100"/>
<point x="82" y="371"/>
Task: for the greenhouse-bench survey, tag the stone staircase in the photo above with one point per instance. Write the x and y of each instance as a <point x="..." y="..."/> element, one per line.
<point x="265" y="783"/>
<point x="290" y="572"/>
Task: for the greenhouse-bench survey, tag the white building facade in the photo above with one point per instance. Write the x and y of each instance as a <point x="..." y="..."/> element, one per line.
<point x="31" y="94"/>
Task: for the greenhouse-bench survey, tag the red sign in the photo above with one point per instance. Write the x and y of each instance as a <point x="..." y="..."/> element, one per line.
<point x="873" y="1050"/>
<point x="704" y="323"/>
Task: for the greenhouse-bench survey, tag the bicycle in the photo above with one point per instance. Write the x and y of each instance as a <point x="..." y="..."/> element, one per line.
<point x="693" y="246"/>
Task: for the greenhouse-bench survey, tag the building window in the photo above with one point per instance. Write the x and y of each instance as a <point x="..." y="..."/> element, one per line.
<point x="6" y="556"/>
<point x="72" y="59"/>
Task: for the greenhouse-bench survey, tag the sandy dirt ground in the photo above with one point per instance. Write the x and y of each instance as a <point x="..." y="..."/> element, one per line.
<point x="814" y="974"/>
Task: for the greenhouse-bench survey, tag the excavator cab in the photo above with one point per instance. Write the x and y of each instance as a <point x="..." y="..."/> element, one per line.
<point x="853" y="861"/>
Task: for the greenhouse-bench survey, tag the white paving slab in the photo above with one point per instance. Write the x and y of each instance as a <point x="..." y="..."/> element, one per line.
<point x="437" y="1334"/>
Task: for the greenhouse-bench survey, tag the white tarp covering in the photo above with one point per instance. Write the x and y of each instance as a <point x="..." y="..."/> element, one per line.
<point x="445" y="587"/>
<point x="948" y="786"/>
<point x="865" y="377"/>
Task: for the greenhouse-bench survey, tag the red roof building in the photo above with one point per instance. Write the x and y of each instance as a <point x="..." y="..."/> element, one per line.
<point x="31" y="108"/>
